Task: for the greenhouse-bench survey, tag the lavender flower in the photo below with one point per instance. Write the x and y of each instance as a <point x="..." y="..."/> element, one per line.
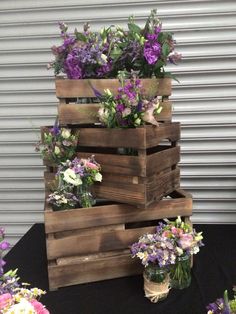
<point x="218" y="307"/>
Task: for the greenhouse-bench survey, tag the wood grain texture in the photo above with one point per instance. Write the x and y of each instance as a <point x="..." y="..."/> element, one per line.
<point x="141" y="138"/>
<point x="86" y="244"/>
<point x="83" y="218"/>
<point x="66" y="88"/>
<point x="116" y="188"/>
<point x="96" y="269"/>
<point x="88" y="113"/>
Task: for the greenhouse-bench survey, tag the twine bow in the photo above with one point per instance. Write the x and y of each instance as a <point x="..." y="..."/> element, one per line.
<point x="155" y="291"/>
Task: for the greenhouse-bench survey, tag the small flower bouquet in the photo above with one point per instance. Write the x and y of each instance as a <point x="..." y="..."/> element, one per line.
<point x="156" y="254"/>
<point x="223" y="305"/>
<point x="102" y="54"/>
<point x="13" y="298"/>
<point x="74" y="181"/>
<point x="129" y="108"/>
<point x="186" y="242"/>
<point x="57" y="145"/>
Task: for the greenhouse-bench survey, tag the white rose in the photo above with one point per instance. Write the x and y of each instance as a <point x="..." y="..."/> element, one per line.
<point x="71" y="177"/>
<point x="98" y="177"/>
<point x="65" y="133"/>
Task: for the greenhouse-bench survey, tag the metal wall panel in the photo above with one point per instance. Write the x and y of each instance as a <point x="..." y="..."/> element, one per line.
<point x="204" y="101"/>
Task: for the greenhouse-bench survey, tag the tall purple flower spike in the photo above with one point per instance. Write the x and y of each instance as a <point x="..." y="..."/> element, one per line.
<point x="96" y="92"/>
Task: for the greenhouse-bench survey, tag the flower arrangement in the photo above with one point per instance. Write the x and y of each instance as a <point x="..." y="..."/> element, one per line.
<point x="186" y="242"/>
<point x="156" y="254"/>
<point x="58" y="144"/>
<point x="13" y="298"/>
<point x="102" y="54"/>
<point x="74" y="180"/>
<point x="223" y="305"/>
<point x="22" y="300"/>
<point x="154" y="249"/>
<point x="185" y="238"/>
<point x="129" y="108"/>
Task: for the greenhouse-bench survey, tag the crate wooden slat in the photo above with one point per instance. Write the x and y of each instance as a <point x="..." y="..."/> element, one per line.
<point x="141" y="138"/>
<point x="66" y="88"/>
<point x="88" y="113"/>
<point x="105" y="266"/>
<point x="104" y="254"/>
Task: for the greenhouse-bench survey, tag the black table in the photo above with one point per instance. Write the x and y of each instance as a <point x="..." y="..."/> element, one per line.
<point x="214" y="271"/>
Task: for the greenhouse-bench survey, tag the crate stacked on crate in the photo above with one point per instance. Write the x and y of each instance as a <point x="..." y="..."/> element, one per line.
<point x="91" y="244"/>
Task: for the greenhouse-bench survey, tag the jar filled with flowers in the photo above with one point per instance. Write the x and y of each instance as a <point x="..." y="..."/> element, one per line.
<point x="156" y="254"/>
<point x="186" y="243"/>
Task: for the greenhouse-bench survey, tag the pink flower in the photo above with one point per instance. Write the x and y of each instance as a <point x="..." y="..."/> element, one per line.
<point x="39" y="307"/>
<point x="91" y="165"/>
<point x="177" y="231"/>
<point x="5" y="300"/>
<point x="166" y="234"/>
<point x="186" y="241"/>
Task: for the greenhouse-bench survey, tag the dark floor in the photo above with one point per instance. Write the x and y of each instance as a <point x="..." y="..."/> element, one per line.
<point x="214" y="271"/>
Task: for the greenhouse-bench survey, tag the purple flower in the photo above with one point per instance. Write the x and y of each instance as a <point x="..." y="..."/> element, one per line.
<point x="152" y="52"/>
<point x="4" y="245"/>
<point x="104" y="69"/>
<point x="120" y="108"/>
<point x="175" y="57"/>
<point x="219" y="307"/>
<point x="72" y="67"/>
<point x="151" y="37"/>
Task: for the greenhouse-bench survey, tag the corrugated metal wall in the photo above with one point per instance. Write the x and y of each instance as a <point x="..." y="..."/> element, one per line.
<point x="204" y="100"/>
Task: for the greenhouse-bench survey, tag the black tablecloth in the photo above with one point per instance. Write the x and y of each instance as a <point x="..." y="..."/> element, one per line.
<point x="214" y="271"/>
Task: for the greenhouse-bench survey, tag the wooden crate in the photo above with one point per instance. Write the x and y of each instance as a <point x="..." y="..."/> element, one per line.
<point x="137" y="180"/>
<point x="92" y="244"/>
<point x="69" y="91"/>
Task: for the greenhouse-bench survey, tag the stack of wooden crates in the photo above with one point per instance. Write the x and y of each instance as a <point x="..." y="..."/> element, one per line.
<point x="92" y="244"/>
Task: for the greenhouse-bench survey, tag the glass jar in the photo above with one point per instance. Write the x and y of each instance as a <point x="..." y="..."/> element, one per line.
<point x="156" y="282"/>
<point x="85" y="196"/>
<point x="180" y="273"/>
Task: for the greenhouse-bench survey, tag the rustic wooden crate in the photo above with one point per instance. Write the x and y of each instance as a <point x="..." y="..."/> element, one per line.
<point x="69" y="91"/>
<point x="92" y="244"/>
<point x="137" y="180"/>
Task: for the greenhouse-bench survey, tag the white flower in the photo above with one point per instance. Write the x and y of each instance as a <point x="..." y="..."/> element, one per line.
<point x="108" y="92"/>
<point x="104" y="57"/>
<point x="103" y="114"/>
<point x="179" y="251"/>
<point x="23" y="307"/>
<point x="126" y="112"/>
<point x="65" y="133"/>
<point x="71" y="177"/>
<point x="57" y="150"/>
<point x="195" y="250"/>
<point x="98" y="177"/>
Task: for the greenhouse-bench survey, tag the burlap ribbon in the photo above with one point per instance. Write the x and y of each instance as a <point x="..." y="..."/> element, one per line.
<point x="155" y="291"/>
